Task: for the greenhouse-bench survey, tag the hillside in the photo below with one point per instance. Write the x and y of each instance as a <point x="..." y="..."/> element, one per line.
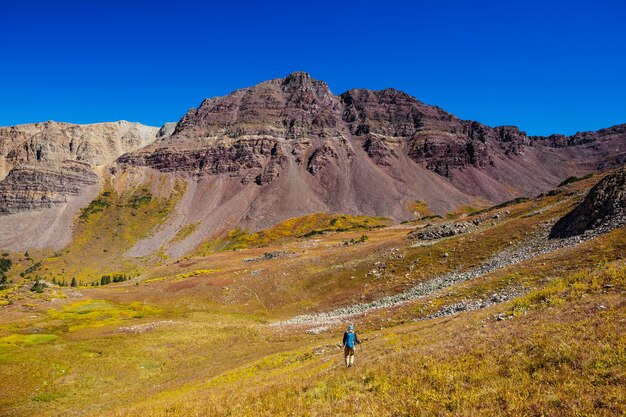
<point x="49" y="171"/>
<point x="478" y="313"/>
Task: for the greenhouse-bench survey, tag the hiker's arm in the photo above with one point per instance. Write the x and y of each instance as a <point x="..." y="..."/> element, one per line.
<point x="345" y="339"/>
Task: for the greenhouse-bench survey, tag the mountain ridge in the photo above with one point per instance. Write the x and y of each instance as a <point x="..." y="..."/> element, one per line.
<point x="289" y="147"/>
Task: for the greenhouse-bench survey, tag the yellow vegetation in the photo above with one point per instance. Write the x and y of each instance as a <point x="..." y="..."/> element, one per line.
<point x="304" y="226"/>
<point x="420" y="209"/>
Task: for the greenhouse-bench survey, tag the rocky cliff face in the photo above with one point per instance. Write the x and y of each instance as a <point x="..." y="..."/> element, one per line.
<point x="606" y="201"/>
<point x="291" y="108"/>
<point x="37" y="186"/>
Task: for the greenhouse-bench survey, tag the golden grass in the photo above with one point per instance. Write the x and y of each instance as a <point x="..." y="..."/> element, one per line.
<point x="420" y="209"/>
<point x="103" y="236"/>
<point x="97" y="313"/>
<point x="181" y="276"/>
<point x="304" y="226"/>
<point x="185" y="232"/>
<point x="558" y="359"/>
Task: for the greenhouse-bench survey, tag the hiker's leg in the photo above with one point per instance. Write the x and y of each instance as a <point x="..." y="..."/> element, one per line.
<point x="352" y="358"/>
<point x="346" y="355"/>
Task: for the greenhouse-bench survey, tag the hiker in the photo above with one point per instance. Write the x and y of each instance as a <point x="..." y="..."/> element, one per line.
<point x="350" y="340"/>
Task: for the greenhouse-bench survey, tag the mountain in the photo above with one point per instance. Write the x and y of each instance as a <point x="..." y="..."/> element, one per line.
<point x="290" y="147"/>
<point x="49" y="170"/>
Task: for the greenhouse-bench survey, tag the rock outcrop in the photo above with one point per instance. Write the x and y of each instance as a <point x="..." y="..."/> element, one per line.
<point x="36" y="186"/>
<point x="441" y="231"/>
<point x="233" y="134"/>
<point x="605" y="202"/>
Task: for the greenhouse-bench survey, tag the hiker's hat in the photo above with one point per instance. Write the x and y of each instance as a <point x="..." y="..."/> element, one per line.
<point x="350" y="327"/>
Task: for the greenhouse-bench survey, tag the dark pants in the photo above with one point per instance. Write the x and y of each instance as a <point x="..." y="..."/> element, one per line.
<point x="348" y="354"/>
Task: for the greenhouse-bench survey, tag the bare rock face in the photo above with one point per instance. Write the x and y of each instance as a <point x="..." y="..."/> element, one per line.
<point x="253" y="133"/>
<point x="379" y="151"/>
<point x="303" y="115"/>
<point x="581" y="138"/>
<point x="320" y="158"/>
<point x="605" y="201"/>
<point x="37" y="186"/>
<point x="95" y="144"/>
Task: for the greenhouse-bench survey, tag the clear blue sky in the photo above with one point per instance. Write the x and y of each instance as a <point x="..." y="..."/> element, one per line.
<point x="546" y="66"/>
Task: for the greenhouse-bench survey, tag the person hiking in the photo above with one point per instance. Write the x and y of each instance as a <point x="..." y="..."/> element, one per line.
<point x="350" y="340"/>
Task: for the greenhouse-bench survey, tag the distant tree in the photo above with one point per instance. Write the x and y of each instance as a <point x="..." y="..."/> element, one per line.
<point x="74" y="283"/>
<point x="38" y="286"/>
<point x="119" y="277"/>
<point x="5" y="265"/>
<point x="3" y="281"/>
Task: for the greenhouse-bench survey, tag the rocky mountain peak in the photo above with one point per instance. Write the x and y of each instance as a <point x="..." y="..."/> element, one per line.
<point x="298" y="79"/>
<point x="293" y="107"/>
<point x="301" y="86"/>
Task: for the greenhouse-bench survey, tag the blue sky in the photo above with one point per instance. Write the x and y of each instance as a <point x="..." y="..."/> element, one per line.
<point x="546" y="66"/>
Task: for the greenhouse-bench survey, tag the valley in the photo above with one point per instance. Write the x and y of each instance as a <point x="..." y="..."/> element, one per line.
<point x="492" y="319"/>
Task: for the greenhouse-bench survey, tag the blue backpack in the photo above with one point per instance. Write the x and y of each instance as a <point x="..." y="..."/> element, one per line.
<point x="350" y="339"/>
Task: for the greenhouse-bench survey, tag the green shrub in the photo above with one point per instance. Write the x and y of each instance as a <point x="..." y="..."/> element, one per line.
<point x="5" y="265"/>
<point x="96" y="206"/>
<point x="34" y="267"/>
<point x="4" y="282"/>
<point x="573" y="179"/>
<point x="140" y="200"/>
